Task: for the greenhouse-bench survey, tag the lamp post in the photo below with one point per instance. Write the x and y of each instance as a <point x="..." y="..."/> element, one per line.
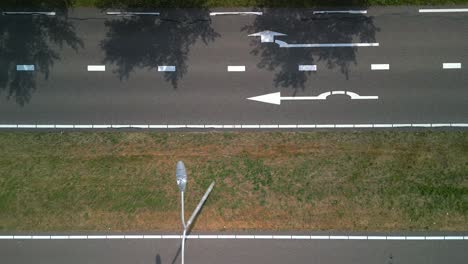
<point x="181" y="177"/>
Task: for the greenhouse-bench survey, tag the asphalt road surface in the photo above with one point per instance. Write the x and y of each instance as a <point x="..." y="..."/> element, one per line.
<point x="60" y="90"/>
<point x="274" y="251"/>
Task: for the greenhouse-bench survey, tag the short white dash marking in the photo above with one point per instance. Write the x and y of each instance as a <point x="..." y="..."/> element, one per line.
<point x="59" y="237"/>
<point x="192" y="237"/>
<point x="176" y="126"/>
<point x="319" y="237"/>
<point x="396" y="238"/>
<point x="45" y="126"/>
<point x="281" y="237"/>
<point x="268" y="126"/>
<point x="78" y="237"/>
<point x="401" y="125"/>
<point x="338" y="237"/>
<point x="415" y="238"/>
<point x="133" y="236"/>
<point x="307" y="67"/>
<point x="40" y="237"/>
<point x="376" y="237"/>
<point x="213" y="126"/>
<point x="116" y="13"/>
<point x="245" y="237"/>
<point x="325" y="126"/>
<point x="453" y="238"/>
<point x="357" y="237"/>
<point x="235" y="13"/>
<point x="115" y="237"/>
<point x="22" y="237"/>
<point x="25" y="67"/>
<point x="250" y="126"/>
<point x="208" y="236"/>
<point x="434" y="238"/>
<point x="102" y="126"/>
<point x="195" y="126"/>
<point x="459" y="124"/>
<point x="382" y="125"/>
<point x="97" y="68"/>
<point x="380" y="67"/>
<point x="152" y="236"/>
<point x="6" y="237"/>
<point x="226" y="236"/>
<point x="263" y="237"/>
<point x="157" y="126"/>
<point x="300" y="237"/>
<point x="96" y="237"/>
<point x="450" y="65"/>
<point x="30" y="13"/>
<point x="26" y="126"/>
<point x="305" y="126"/>
<point x="236" y="68"/>
<point x="64" y="126"/>
<point x="166" y="68"/>
<point x="287" y="126"/>
<point x="340" y="12"/>
<point x="171" y="236"/>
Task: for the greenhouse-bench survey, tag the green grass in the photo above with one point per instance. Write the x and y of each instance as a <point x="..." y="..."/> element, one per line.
<point x="264" y="181"/>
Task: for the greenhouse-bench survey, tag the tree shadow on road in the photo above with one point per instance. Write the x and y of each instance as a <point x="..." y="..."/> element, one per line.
<point x="138" y="42"/>
<point x="303" y="26"/>
<point x="32" y="40"/>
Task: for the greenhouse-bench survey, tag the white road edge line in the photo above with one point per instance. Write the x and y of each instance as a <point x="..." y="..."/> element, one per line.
<point x="235" y="68"/>
<point x="380" y="67"/>
<point x="453" y="10"/>
<point x="235" y="13"/>
<point x="451" y="65"/>
<point x="247" y="126"/>
<point x="96" y="67"/>
<point x="277" y="237"/>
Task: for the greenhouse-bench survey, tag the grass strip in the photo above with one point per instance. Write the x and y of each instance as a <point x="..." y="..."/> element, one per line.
<point x="376" y="181"/>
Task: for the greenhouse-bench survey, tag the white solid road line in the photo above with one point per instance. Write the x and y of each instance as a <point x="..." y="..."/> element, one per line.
<point x="453" y="10"/>
<point x="96" y="67"/>
<point x="251" y="237"/>
<point x="236" y="68"/>
<point x="30" y="13"/>
<point x="166" y="68"/>
<point x="235" y="13"/>
<point x="380" y="67"/>
<point x="340" y="12"/>
<point x="117" y="13"/>
<point x="450" y="65"/>
<point x="307" y="67"/>
<point x="245" y="126"/>
<point x="283" y="44"/>
<point x="25" y="67"/>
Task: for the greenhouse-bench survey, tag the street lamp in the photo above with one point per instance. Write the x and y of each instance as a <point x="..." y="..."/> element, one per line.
<point x="181" y="177"/>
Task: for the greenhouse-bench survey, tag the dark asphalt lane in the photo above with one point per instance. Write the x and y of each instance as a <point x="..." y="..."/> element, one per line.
<point x="415" y="90"/>
<point x="232" y="251"/>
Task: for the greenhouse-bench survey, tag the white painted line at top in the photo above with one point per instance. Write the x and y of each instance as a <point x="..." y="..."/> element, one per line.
<point x="340" y="12"/>
<point x="24" y="67"/>
<point x="117" y="13"/>
<point x="380" y="67"/>
<point x="307" y="67"/>
<point x="30" y="13"/>
<point x="166" y="68"/>
<point x="235" y="13"/>
<point x="452" y="10"/>
<point x="236" y="68"/>
<point x="451" y="65"/>
<point x="96" y="67"/>
<point x="214" y="236"/>
<point x="212" y="126"/>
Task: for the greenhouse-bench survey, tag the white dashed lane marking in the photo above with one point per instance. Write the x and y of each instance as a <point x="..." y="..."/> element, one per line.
<point x="307" y="67"/>
<point x="30" y="13"/>
<point x="235" y="13"/>
<point x="25" y="67"/>
<point x="380" y="67"/>
<point x="166" y="68"/>
<point x="96" y="68"/>
<point x="452" y="65"/>
<point x="340" y="12"/>
<point x="236" y="68"/>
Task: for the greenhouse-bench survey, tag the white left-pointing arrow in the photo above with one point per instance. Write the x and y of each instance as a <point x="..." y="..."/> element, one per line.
<point x="275" y="98"/>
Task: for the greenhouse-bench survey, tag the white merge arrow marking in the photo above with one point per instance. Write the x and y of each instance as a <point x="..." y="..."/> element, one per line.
<point x="276" y="98"/>
<point x="267" y="35"/>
